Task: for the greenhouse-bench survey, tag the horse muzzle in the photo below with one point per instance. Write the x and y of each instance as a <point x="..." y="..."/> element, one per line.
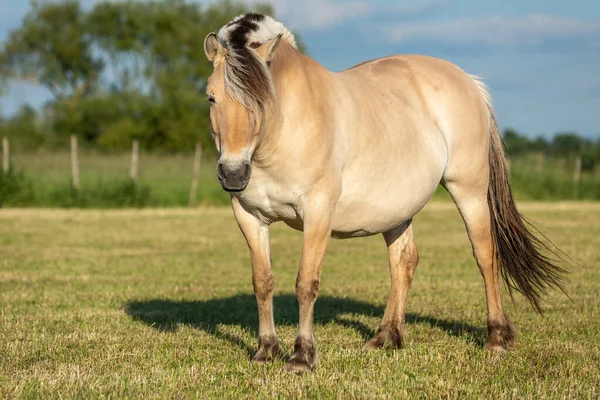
<point x="234" y="176"/>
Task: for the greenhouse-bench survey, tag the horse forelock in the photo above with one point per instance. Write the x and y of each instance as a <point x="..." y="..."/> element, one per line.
<point x="247" y="78"/>
<point x="247" y="81"/>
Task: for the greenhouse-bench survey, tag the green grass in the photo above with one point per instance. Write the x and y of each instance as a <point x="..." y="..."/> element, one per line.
<point x="44" y="180"/>
<point x="534" y="177"/>
<point x="159" y="304"/>
<point x="164" y="180"/>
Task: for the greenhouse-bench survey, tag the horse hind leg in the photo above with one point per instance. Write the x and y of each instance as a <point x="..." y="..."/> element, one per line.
<point x="471" y="201"/>
<point x="403" y="258"/>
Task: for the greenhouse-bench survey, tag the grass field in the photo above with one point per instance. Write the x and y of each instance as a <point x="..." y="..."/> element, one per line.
<point x="166" y="177"/>
<point x="165" y="181"/>
<point x="159" y="304"/>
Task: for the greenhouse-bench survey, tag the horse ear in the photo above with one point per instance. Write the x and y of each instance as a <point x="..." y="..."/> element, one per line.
<point x="213" y="48"/>
<point x="266" y="50"/>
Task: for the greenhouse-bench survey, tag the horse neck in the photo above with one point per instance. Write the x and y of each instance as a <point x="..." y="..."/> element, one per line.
<point x="300" y="86"/>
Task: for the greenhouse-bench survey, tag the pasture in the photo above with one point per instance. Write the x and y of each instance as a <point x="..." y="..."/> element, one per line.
<point x="165" y="181"/>
<point x="159" y="304"/>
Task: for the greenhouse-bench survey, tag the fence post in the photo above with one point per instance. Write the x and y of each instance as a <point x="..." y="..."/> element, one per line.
<point x="5" y="155"/>
<point x="540" y="163"/>
<point x="195" y="174"/>
<point x="577" y="171"/>
<point x="135" y="156"/>
<point x="74" y="162"/>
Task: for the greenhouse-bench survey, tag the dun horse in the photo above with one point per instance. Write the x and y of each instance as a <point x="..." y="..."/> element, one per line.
<point x="357" y="153"/>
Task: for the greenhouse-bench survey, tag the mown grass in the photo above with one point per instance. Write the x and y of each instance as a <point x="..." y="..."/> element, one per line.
<point x="159" y="304"/>
<point x="44" y="180"/>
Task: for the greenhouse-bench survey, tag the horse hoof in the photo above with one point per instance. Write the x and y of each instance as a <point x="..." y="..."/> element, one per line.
<point x="385" y="337"/>
<point x="495" y="349"/>
<point x="298" y="366"/>
<point x="260" y="358"/>
<point x="259" y="363"/>
<point x="501" y="336"/>
<point x="305" y="357"/>
<point x="269" y="352"/>
<point x="372" y="345"/>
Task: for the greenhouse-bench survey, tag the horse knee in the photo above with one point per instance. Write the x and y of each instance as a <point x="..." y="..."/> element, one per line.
<point x="263" y="286"/>
<point x="308" y="290"/>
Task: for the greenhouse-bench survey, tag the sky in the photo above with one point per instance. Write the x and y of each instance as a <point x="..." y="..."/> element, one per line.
<point x="540" y="58"/>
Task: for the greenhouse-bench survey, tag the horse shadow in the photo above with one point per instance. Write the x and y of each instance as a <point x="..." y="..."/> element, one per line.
<point x="209" y="316"/>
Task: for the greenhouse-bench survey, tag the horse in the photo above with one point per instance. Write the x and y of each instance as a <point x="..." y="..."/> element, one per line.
<point x="357" y="153"/>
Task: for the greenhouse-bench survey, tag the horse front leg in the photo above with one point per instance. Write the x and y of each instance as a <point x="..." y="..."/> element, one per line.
<point x="257" y="237"/>
<point x="317" y="231"/>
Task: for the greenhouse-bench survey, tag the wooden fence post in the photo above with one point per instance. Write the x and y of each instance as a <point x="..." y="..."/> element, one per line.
<point x="540" y="163"/>
<point x="195" y="174"/>
<point x="135" y="156"/>
<point x="74" y="162"/>
<point x="577" y="171"/>
<point x="5" y="155"/>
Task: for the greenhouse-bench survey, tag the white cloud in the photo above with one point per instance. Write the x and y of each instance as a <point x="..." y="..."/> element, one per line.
<point x="495" y="30"/>
<point x="324" y="14"/>
<point x="317" y="14"/>
<point x="321" y="14"/>
<point x="416" y="8"/>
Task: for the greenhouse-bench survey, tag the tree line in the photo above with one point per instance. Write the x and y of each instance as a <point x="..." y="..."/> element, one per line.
<point x="117" y="71"/>
<point x="564" y="145"/>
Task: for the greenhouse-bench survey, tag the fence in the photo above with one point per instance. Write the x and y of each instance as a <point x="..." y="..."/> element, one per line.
<point x="76" y="178"/>
<point x="31" y="162"/>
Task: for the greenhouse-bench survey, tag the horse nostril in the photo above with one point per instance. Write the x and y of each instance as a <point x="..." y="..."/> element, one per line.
<point x="220" y="170"/>
<point x="246" y="169"/>
<point x="234" y="172"/>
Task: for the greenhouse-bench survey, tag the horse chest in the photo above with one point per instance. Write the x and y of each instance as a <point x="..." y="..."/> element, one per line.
<point x="270" y="202"/>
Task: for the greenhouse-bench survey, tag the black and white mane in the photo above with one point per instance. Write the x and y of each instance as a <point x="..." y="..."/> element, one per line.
<point x="252" y="30"/>
<point x="247" y="77"/>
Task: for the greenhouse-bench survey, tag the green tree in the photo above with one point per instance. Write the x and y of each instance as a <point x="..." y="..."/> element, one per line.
<point x="514" y="143"/>
<point x="23" y="129"/>
<point x="568" y="143"/>
<point x="122" y="69"/>
<point x="52" y="49"/>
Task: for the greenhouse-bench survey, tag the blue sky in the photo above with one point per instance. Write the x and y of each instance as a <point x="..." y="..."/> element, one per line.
<point x="540" y="58"/>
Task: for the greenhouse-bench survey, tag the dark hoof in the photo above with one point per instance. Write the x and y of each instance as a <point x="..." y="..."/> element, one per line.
<point x="305" y="357"/>
<point x="268" y="350"/>
<point x="385" y="337"/>
<point x="501" y="336"/>
<point x="298" y="366"/>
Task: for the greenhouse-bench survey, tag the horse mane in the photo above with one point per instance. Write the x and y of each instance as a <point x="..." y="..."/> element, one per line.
<point x="247" y="77"/>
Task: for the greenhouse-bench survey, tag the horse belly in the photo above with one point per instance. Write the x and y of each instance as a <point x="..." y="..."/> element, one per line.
<point x="381" y="199"/>
<point x="378" y="211"/>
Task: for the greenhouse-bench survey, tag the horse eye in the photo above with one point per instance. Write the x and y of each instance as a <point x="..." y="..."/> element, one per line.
<point x="211" y="99"/>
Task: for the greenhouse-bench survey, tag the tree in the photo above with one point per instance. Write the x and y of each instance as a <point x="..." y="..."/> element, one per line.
<point x="568" y="143"/>
<point x="122" y="69"/>
<point x="23" y="128"/>
<point x="51" y="48"/>
<point x="514" y="143"/>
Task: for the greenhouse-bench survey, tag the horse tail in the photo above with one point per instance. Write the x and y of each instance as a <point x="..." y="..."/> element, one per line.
<point x="518" y="252"/>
